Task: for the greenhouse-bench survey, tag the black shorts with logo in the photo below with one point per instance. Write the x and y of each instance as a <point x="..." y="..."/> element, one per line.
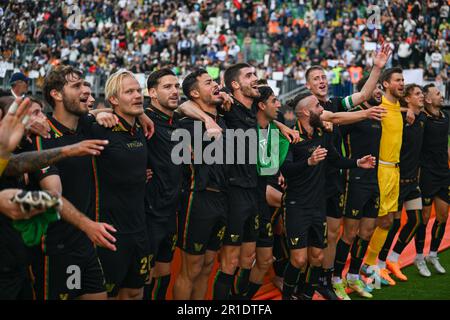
<point x="433" y="187"/>
<point x="68" y="275"/>
<point x="267" y="215"/>
<point x="243" y="217"/>
<point x="361" y="201"/>
<point x="408" y="191"/>
<point x="202" y="221"/>
<point x="305" y="227"/>
<point x="129" y="266"/>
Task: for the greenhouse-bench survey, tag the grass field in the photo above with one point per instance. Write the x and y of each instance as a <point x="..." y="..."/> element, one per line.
<point x="437" y="287"/>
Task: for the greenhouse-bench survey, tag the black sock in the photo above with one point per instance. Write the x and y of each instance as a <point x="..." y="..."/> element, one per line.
<point x="252" y="289"/>
<point x="160" y="287"/>
<point x="389" y="239"/>
<point x="358" y="251"/>
<point x="342" y="250"/>
<point x="312" y="281"/>
<point x="290" y="280"/>
<point x="409" y="230"/>
<point x="148" y="288"/>
<point x="301" y="280"/>
<point x="222" y="286"/>
<point x="325" y="279"/>
<point x="420" y="238"/>
<point x="437" y="234"/>
<point x="241" y="283"/>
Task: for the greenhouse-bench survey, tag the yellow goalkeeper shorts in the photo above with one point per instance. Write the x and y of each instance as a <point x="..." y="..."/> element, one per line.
<point x="389" y="184"/>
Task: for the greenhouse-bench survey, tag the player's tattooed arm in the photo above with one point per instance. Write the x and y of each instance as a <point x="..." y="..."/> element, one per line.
<point x="35" y="160"/>
<point x="32" y="161"/>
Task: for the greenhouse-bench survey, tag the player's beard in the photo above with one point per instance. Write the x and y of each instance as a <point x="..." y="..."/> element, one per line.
<point x="314" y="121"/>
<point x="73" y="106"/>
<point x="374" y="102"/>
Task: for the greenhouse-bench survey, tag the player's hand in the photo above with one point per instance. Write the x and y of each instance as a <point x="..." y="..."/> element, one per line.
<point x="410" y="117"/>
<point x="149" y="175"/>
<point x="106" y="119"/>
<point x="382" y="56"/>
<point x="292" y="135"/>
<point x="328" y="126"/>
<point x="85" y="148"/>
<point x="100" y="234"/>
<point x="12" y="210"/>
<point x="38" y="125"/>
<point x="317" y="156"/>
<point x="212" y="128"/>
<point x="13" y="125"/>
<point x="366" y="162"/>
<point x="376" y="113"/>
<point x="281" y="181"/>
<point x="147" y="125"/>
<point x="227" y="101"/>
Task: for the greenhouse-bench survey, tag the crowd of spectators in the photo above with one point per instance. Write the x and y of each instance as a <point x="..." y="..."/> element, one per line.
<point x="101" y="36"/>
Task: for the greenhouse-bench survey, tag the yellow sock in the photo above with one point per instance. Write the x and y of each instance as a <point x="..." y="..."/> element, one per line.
<point x="376" y="243"/>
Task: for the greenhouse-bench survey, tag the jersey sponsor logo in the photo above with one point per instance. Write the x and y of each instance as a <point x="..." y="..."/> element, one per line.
<point x="135" y="145"/>
<point x="198" y="247"/>
<point x="294" y="241"/>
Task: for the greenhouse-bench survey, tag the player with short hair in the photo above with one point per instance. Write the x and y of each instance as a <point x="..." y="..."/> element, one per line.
<point x="388" y="172"/>
<point x="434" y="179"/>
<point x="305" y="216"/>
<point x="204" y="207"/>
<point x="410" y="194"/>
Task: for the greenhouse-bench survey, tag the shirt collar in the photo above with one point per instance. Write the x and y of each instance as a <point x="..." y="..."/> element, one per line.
<point x="58" y="128"/>
<point x="304" y="134"/>
<point x="388" y="103"/>
<point x="161" y="114"/>
<point x="429" y="114"/>
<point x="125" y="126"/>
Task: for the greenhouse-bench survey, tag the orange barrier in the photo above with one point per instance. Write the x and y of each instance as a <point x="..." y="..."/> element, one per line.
<point x="269" y="292"/>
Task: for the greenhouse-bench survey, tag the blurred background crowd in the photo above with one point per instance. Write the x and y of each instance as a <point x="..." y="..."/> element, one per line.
<point x="283" y="37"/>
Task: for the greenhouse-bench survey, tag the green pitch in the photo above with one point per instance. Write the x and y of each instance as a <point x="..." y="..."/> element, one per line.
<point x="437" y="287"/>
